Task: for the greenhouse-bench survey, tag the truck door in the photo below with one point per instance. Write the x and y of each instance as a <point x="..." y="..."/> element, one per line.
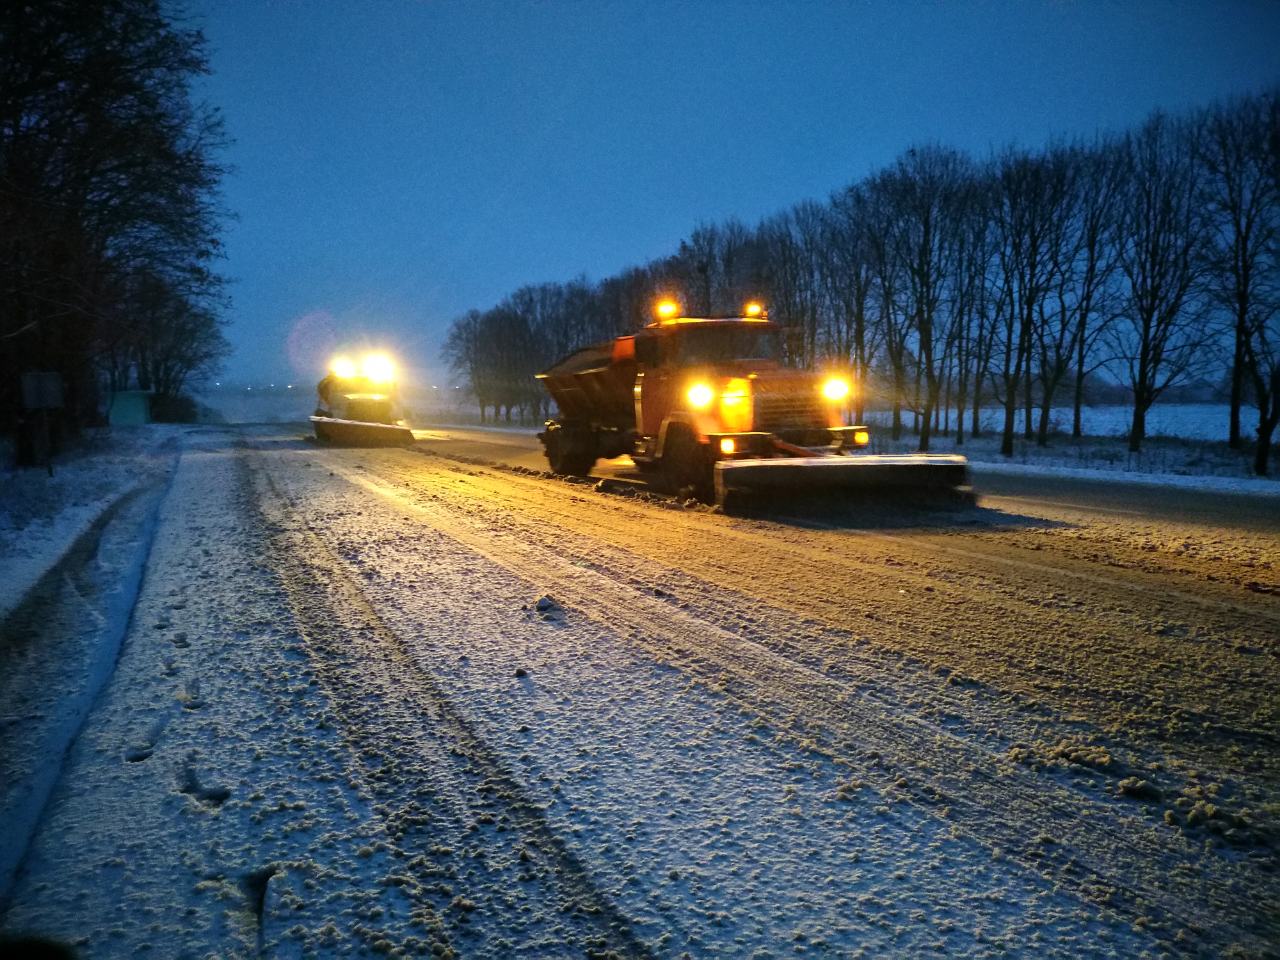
<point x="655" y="383"/>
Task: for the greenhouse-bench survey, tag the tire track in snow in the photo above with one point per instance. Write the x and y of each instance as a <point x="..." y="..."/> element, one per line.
<point x="994" y="555"/>
<point x="1008" y="611"/>
<point x="1166" y="875"/>
<point x="1006" y="629"/>
<point x="106" y="590"/>
<point x="1104" y="619"/>
<point x="409" y="734"/>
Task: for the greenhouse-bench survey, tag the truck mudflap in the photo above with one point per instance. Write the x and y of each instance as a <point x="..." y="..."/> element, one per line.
<point x="856" y="473"/>
<point x="361" y="433"/>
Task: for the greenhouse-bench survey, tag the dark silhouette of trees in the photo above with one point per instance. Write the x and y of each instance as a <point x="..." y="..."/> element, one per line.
<point x="1141" y="260"/>
<point x="109" y="209"/>
<point x="1238" y="194"/>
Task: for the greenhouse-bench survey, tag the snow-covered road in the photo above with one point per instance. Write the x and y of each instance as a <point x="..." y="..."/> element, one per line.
<point x="396" y="701"/>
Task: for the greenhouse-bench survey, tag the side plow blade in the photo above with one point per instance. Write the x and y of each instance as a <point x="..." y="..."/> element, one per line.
<point x="944" y="476"/>
<point x="359" y="433"/>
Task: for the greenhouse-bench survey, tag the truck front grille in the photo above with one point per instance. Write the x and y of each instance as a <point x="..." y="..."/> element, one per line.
<point x="777" y="410"/>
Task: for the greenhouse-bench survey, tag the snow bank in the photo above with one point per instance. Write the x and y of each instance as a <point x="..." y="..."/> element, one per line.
<point x="41" y="516"/>
<point x="59" y="650"/>
<point x="1254" y="486"/>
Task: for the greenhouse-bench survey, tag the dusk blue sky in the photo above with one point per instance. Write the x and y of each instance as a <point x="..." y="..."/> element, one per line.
<point x="400" y="162"/>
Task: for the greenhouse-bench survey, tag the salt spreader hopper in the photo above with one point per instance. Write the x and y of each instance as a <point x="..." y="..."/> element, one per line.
<point x="358" y="405"/>
<point x="708" y="406"/>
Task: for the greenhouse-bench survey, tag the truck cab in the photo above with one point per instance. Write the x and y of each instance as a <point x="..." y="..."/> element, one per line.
<point x="723" y="380"/>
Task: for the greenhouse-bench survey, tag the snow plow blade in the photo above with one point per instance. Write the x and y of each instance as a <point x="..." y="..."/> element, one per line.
<point x="357" y="433"/>
<point x="944" y="476"/>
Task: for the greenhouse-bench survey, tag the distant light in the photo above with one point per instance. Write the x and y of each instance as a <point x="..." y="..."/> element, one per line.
<point x="727" y="446"/>
<point x="342" y="367"/>
<point x="434" y="387"/>
<point x="289" y="387"/>
<point x="667" y="308"/>
<point x="753" y="309"/>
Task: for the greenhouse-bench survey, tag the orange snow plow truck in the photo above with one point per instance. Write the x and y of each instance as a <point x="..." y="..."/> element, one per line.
<point x="708" y="405"/>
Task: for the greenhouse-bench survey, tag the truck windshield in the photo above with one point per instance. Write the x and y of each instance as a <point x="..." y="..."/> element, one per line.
<point x="730" y="341"/>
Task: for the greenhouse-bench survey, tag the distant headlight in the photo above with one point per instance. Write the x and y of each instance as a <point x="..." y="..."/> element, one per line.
<point x="861" y="438"/>
<point x="837" y="388"/>
<point x="700" y="396"/>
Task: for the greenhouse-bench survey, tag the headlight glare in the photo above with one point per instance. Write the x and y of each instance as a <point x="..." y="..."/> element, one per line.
<point x="835" y="388"/>
<point x="700" y="396"/>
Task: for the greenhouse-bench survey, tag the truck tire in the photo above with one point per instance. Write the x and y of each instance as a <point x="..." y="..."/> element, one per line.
<point x="570" y="450"/>
<point x="686" y="467"/>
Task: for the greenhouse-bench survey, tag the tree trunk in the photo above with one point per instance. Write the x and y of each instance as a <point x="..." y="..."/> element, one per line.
<point x="1262" y="453"/>
<point x="1237" y="387"/>
<point x="1139" y="430"/>
<point x="1010" y="418"/>
<point x="1028" y="406"/>
<point x="1042" y="432"/>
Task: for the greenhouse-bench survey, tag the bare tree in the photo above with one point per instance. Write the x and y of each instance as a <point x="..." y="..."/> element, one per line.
<point x="969" y="303"/>
<point x="793" y="243"/>
<point x="892" y="325"/>
<point x="1230" y="142"/>
<point x="1092" y="265"/>
<point x="1030" y="198"/>
<point x="1262" y="340"/>
<point x="926" y="187"/>
<point x="1160" y="336"/>
<point x="850" y="277"/>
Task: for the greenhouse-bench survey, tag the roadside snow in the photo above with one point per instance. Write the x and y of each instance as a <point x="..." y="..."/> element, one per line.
<point x="41" y="516"/>
<point x="58" y="650"/>
<point x="1255" y="486"/>
<point x="209" y="808"/>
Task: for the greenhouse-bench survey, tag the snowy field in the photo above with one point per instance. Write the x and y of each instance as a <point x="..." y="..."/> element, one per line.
<point x="1185" y="421"/>
<point x="325" y="702"/>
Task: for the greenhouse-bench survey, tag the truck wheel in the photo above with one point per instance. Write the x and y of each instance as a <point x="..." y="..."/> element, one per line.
<point x="570" y="451"/>
<point x="686" y="466"/>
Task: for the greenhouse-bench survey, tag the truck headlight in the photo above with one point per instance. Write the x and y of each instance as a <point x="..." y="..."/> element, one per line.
<point x="378" y="368"/>
<point x="700" y="396"/>
<point x="836" y="388"/>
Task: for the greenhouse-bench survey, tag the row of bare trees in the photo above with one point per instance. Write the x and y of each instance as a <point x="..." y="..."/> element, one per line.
<point x="1146" y="259"/>
<point x="109" y="210"/>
